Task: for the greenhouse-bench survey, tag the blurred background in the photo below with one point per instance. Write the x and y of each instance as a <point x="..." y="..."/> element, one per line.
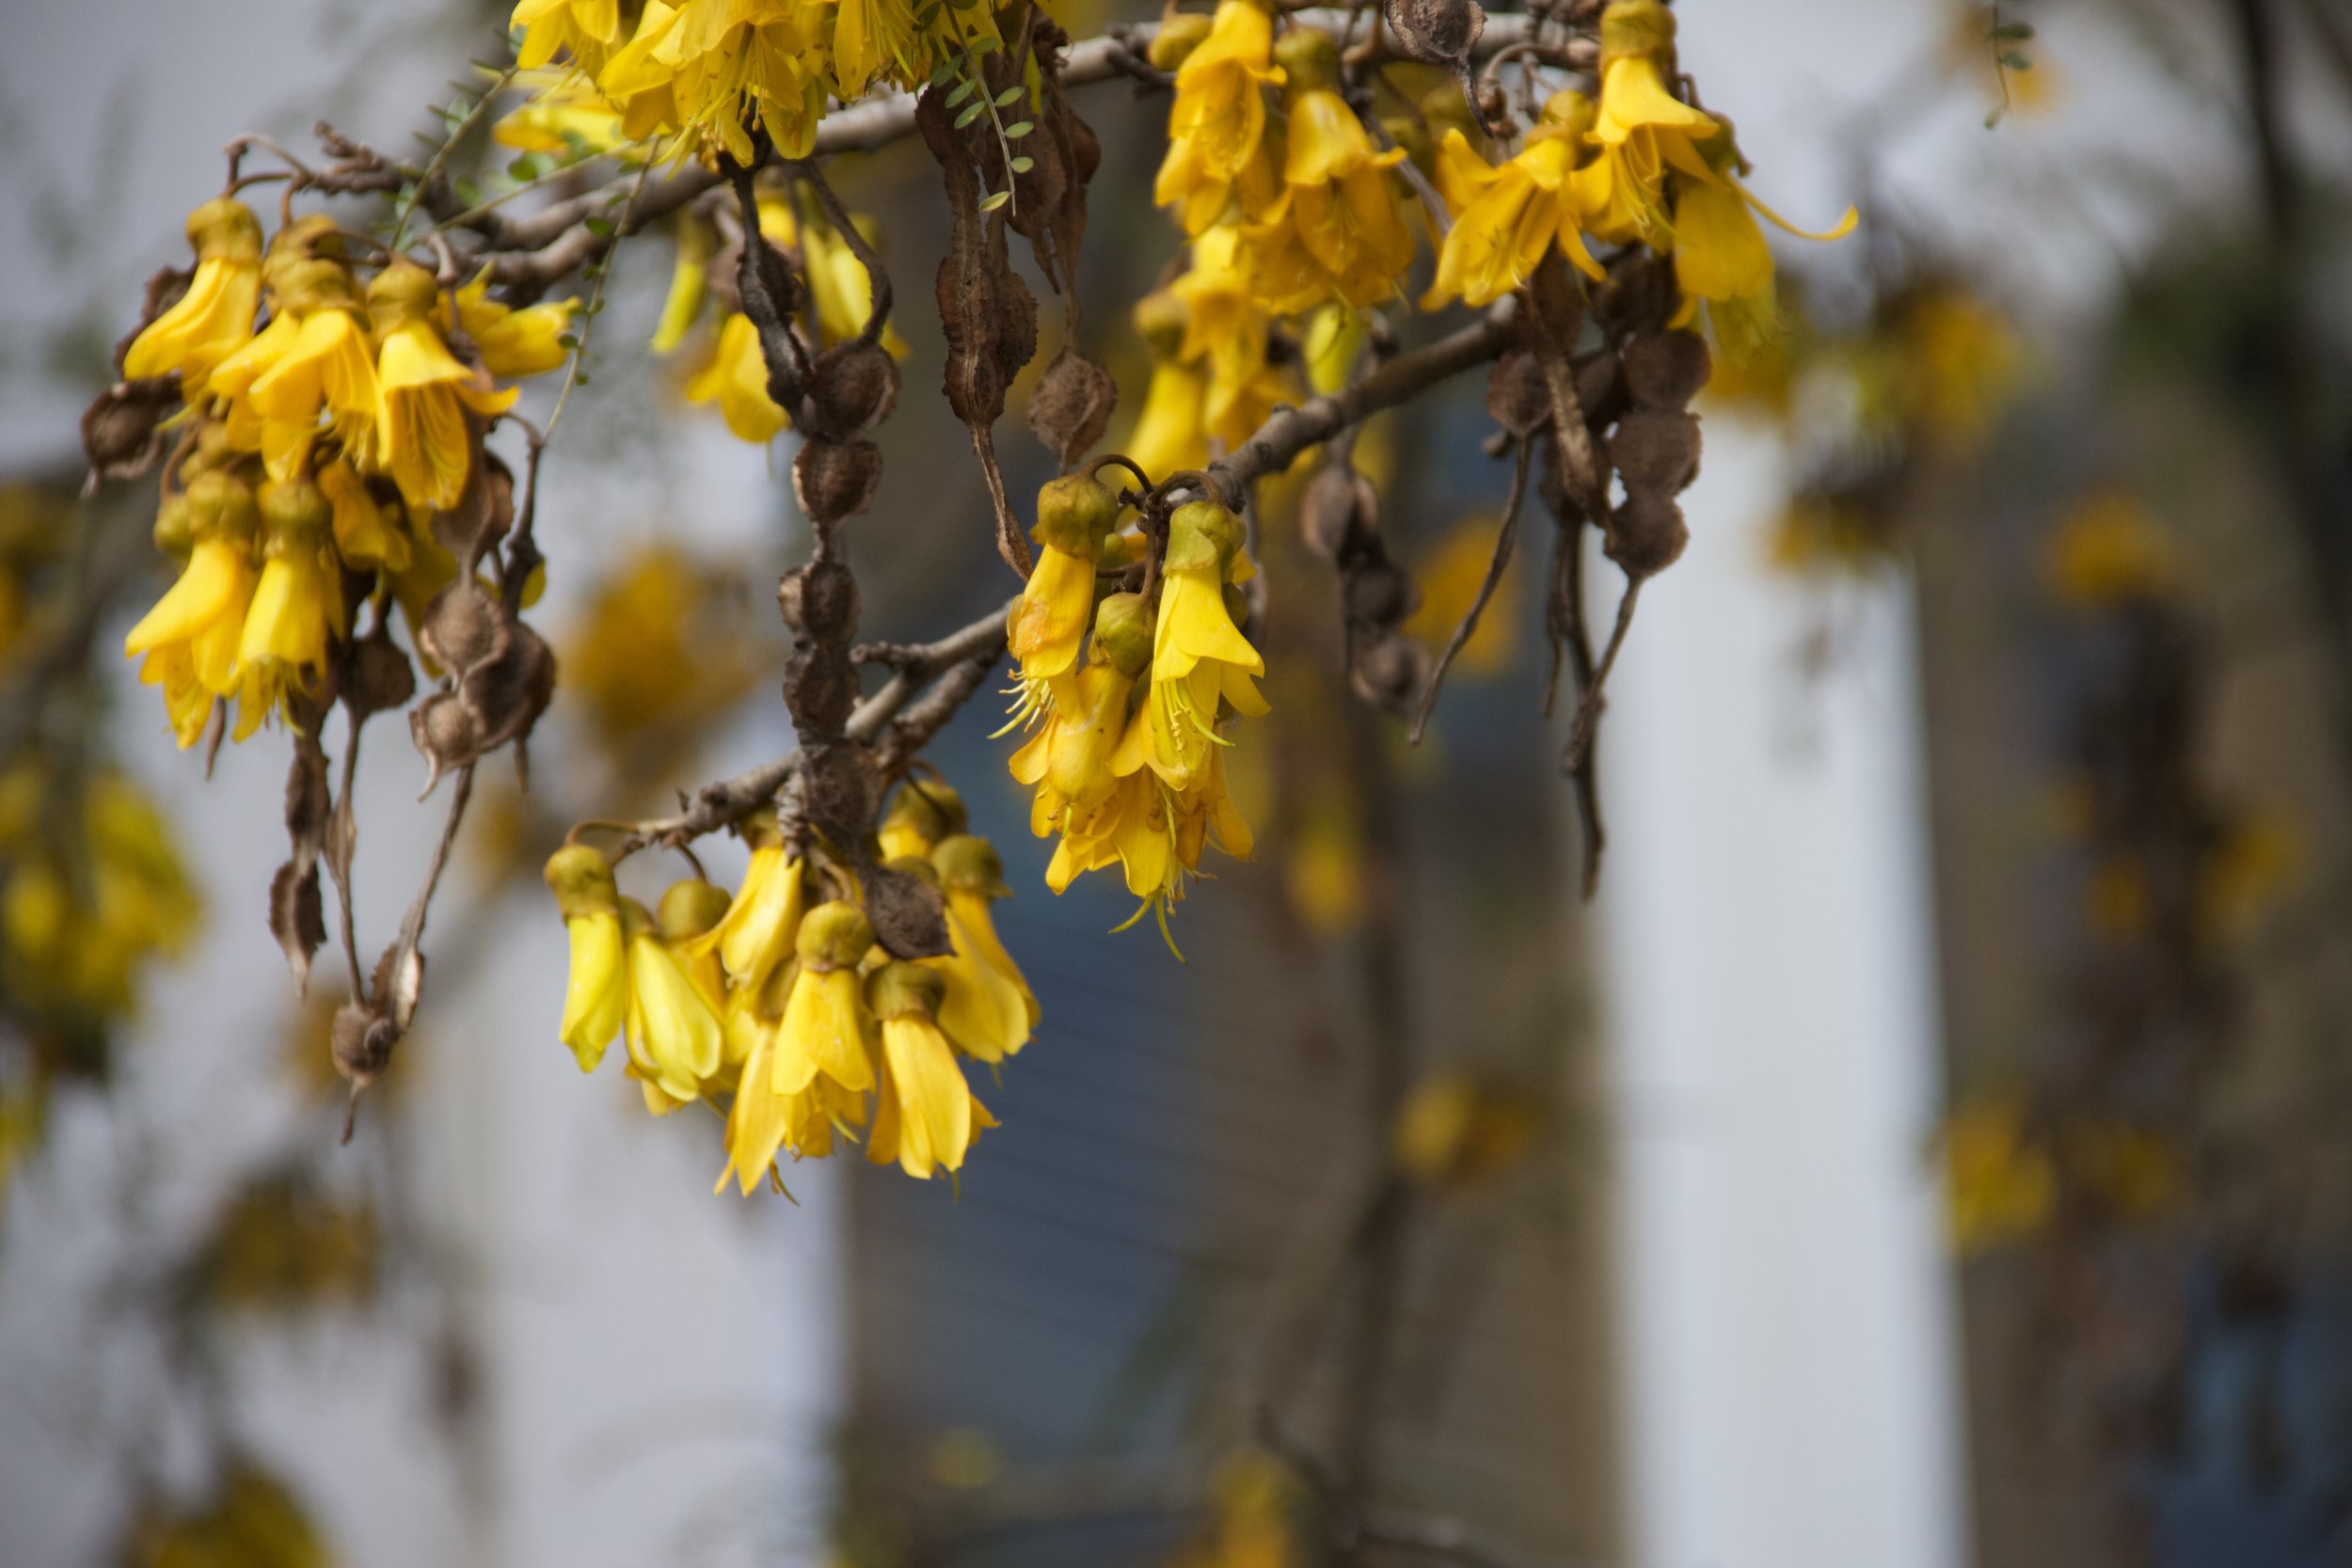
<point x="1933" y="1146"/>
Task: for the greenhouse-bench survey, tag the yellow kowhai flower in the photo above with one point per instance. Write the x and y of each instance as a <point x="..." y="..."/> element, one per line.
<point x="823" y="1032"/>
<point x="191" y="635"/>
<point x="1721" y="260"/>
<point x="1510" y="218"/>
<point x="737" y="380"/>
<point x="513" y="344"/>
<point x="988" y="1008"/>
<point x="368" y="533"/>
<point x="214" y="317"/>
<point x="587" y="30"/>
<point x="1219" y="118"/>
<point x="423" y="437"/>
<point x="1640" y="129"/>
<point x="2004" y="1184"/>
<point x="689" y="283"/>
<point x="564" y="116"/>
<point x="297" y="611"/>
<point x="759" y="928"/>
<point x="1961" y="361"/>
<point x="921" y="814"/>
<point x="1075" y="514"/>
<point x="1170" y="435"/>
<point x="1068" y="762"/>
<point x="706" y="71"/>
<point x="887" y="39"/>
<point x="672" y="1028"/>
<point x="596" y="998"/>
<point x="1198" y="655"/>
<point x="838" y="282"/>
<point x="762" y="1122"/>
<point x="927" y="1116"/>
<point x="319" y="365"/>
<point x="1226" y="328"/>
<point x="1342" y="204"/>
<point x="2106" y="550"/>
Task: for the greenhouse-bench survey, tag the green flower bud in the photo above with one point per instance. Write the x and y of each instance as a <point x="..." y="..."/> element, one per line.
<point x="834" y="935"/>
<point x="1122" y="633"/>
<point x="1073" y="513"/>
<point x="690" y="908"/>
<point x="582" y="879"/>
<point x="901" y="990"/>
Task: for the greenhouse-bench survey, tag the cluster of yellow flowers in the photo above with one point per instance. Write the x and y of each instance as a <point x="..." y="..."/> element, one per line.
<point x="728" y="370"/>
<point x="317" y="447"/>
<point x="779" y="1001"/>
<point x="1128" y="761"/>
<point x="1638" y="166"/>
<point x="82" y="909"/>
<point x="703" y="74"/>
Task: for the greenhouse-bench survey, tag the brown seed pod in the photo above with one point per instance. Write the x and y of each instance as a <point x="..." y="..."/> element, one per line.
<point x="362" y="1041"/>
<point x="508" y="693"/>
<point x="121" y="430"/>
<point x="818" y="601"/>
<point x="852" y="388"/>
<point x="1339" y="506"/>
<point x="837" y="479"/>
<point x="1387" y="672"/>
<point x="377" y="676"/>
<point x="1646" y="536"/>
<point x="464" y="625"/>
<point x="910" y="918"/>
<point x="1072" y="406"/>
<point x="1439" y="32"/>
<point x="1517" y="397"/>
<point x="1656" y="451"/>
<point x="447" y="731"/>
<point x="1666" y="369"/>
<point x="1378" y="595"/>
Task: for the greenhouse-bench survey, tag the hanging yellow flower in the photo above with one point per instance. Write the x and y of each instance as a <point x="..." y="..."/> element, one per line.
<point x="596" y="998"/>
<point x="1068" y="762"/>
<point x="297" y="611"/>
<point x="1342" y="203"/>
<point x="513" y="344"/>
<point x="189" y="639"/>
<point x="1219" y="116"/>
<point x="1075" y="514"/>
<point x="320" y="365"/>
<point x="214" y="317"/>
<point x="927" y="1116"/>
<point x="1510" y="218"/>
<point x="423" y="436"/>
<point x="672" y="1028"/>
<point x="1198" y="655"/>
<point x="988" y="1008"/>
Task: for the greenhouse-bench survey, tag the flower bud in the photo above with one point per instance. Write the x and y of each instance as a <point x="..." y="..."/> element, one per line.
<point x="688" y="910"/>
<point x="927" y="812"/>
<point x="1073" y="513"/>
<point x="296" y="512"/>
<point x="1201" y="536"/>
<point x="1180" y="34"/>
<point x="1122" y="633"/>
<point x="225" y="228"/>
<point x="968" y="863"/>
<point x="902" y="990"/>
<point x="220" y="506"/>
<point x="834" y="935"/>
<point x="582" y="879"/>
<point x="1309" y="60"/>
<point x="403" y="292"/>
<point x="1634" y="27"/>
<point x="175" y="527"/>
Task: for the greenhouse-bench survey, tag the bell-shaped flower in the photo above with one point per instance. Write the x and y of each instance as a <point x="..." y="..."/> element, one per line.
<point x="596" y="998"/>
<point x="297" y="611"/>
<point x="927" y="1116"/>
<point x="214" y="317"/>
<point x="1219" y="116"/>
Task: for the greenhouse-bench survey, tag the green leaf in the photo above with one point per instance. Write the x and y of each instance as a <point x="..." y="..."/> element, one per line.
<point x="1991" y="120"/>
<point x="995" y="201"/>
<point x="600" y="228"/>
<point x="1007" y="95"/>
<point x="2017" y="62"/>
<point x="467" y="190"/>
<point x="1018" y="129"/>
<point x="1023" y="165"/>
<point x="964" y="90"/>
<point x="947" y="66"/>
<point x="522" y="170"/>
<point x="567" y="343"/>
<point x="2014" y="32"/>
<point x="986" y="46"/>
<point x="971" y="113"/>
<point x="581" y="380"/>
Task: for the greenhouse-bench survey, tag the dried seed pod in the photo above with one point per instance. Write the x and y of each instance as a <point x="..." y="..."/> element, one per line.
<point x="1517" y="398"/>
<point x="910" y="917"/>
<point x="447" y="731"/>
<point x="464" y="626"/>
<point x="1378" y="595"/>
<point x="1072" y="406"/>
<point x="121" y="430"/>
<point x="1666" y="369"/>
<point x="362" y="1043"/>
<point x="836" y="480"/>
<point x="1639" y="294"/>
<point x="1599" y="389"/>
<point x="1438" y="32"/>
<point x="818" y="601"/>
<point x="852" y="388"/>
<point x="1388" y="670"/>
<point x="377" y="676"/>
<point x="508" y="693"/>
<point x="1656" y="451"/>
<point x="1646" y="535"/>
<point x="1339" y="506"/>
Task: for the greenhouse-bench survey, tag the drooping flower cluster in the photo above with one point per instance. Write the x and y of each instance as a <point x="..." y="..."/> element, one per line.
<point x="702" y="75"/>
<point x="1294" y="215"/>
<point x="1637" y="166"/>
<point x="1128" y="760"/>
<point x="778" y="1005"/>
<point x="315" y="449"/>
